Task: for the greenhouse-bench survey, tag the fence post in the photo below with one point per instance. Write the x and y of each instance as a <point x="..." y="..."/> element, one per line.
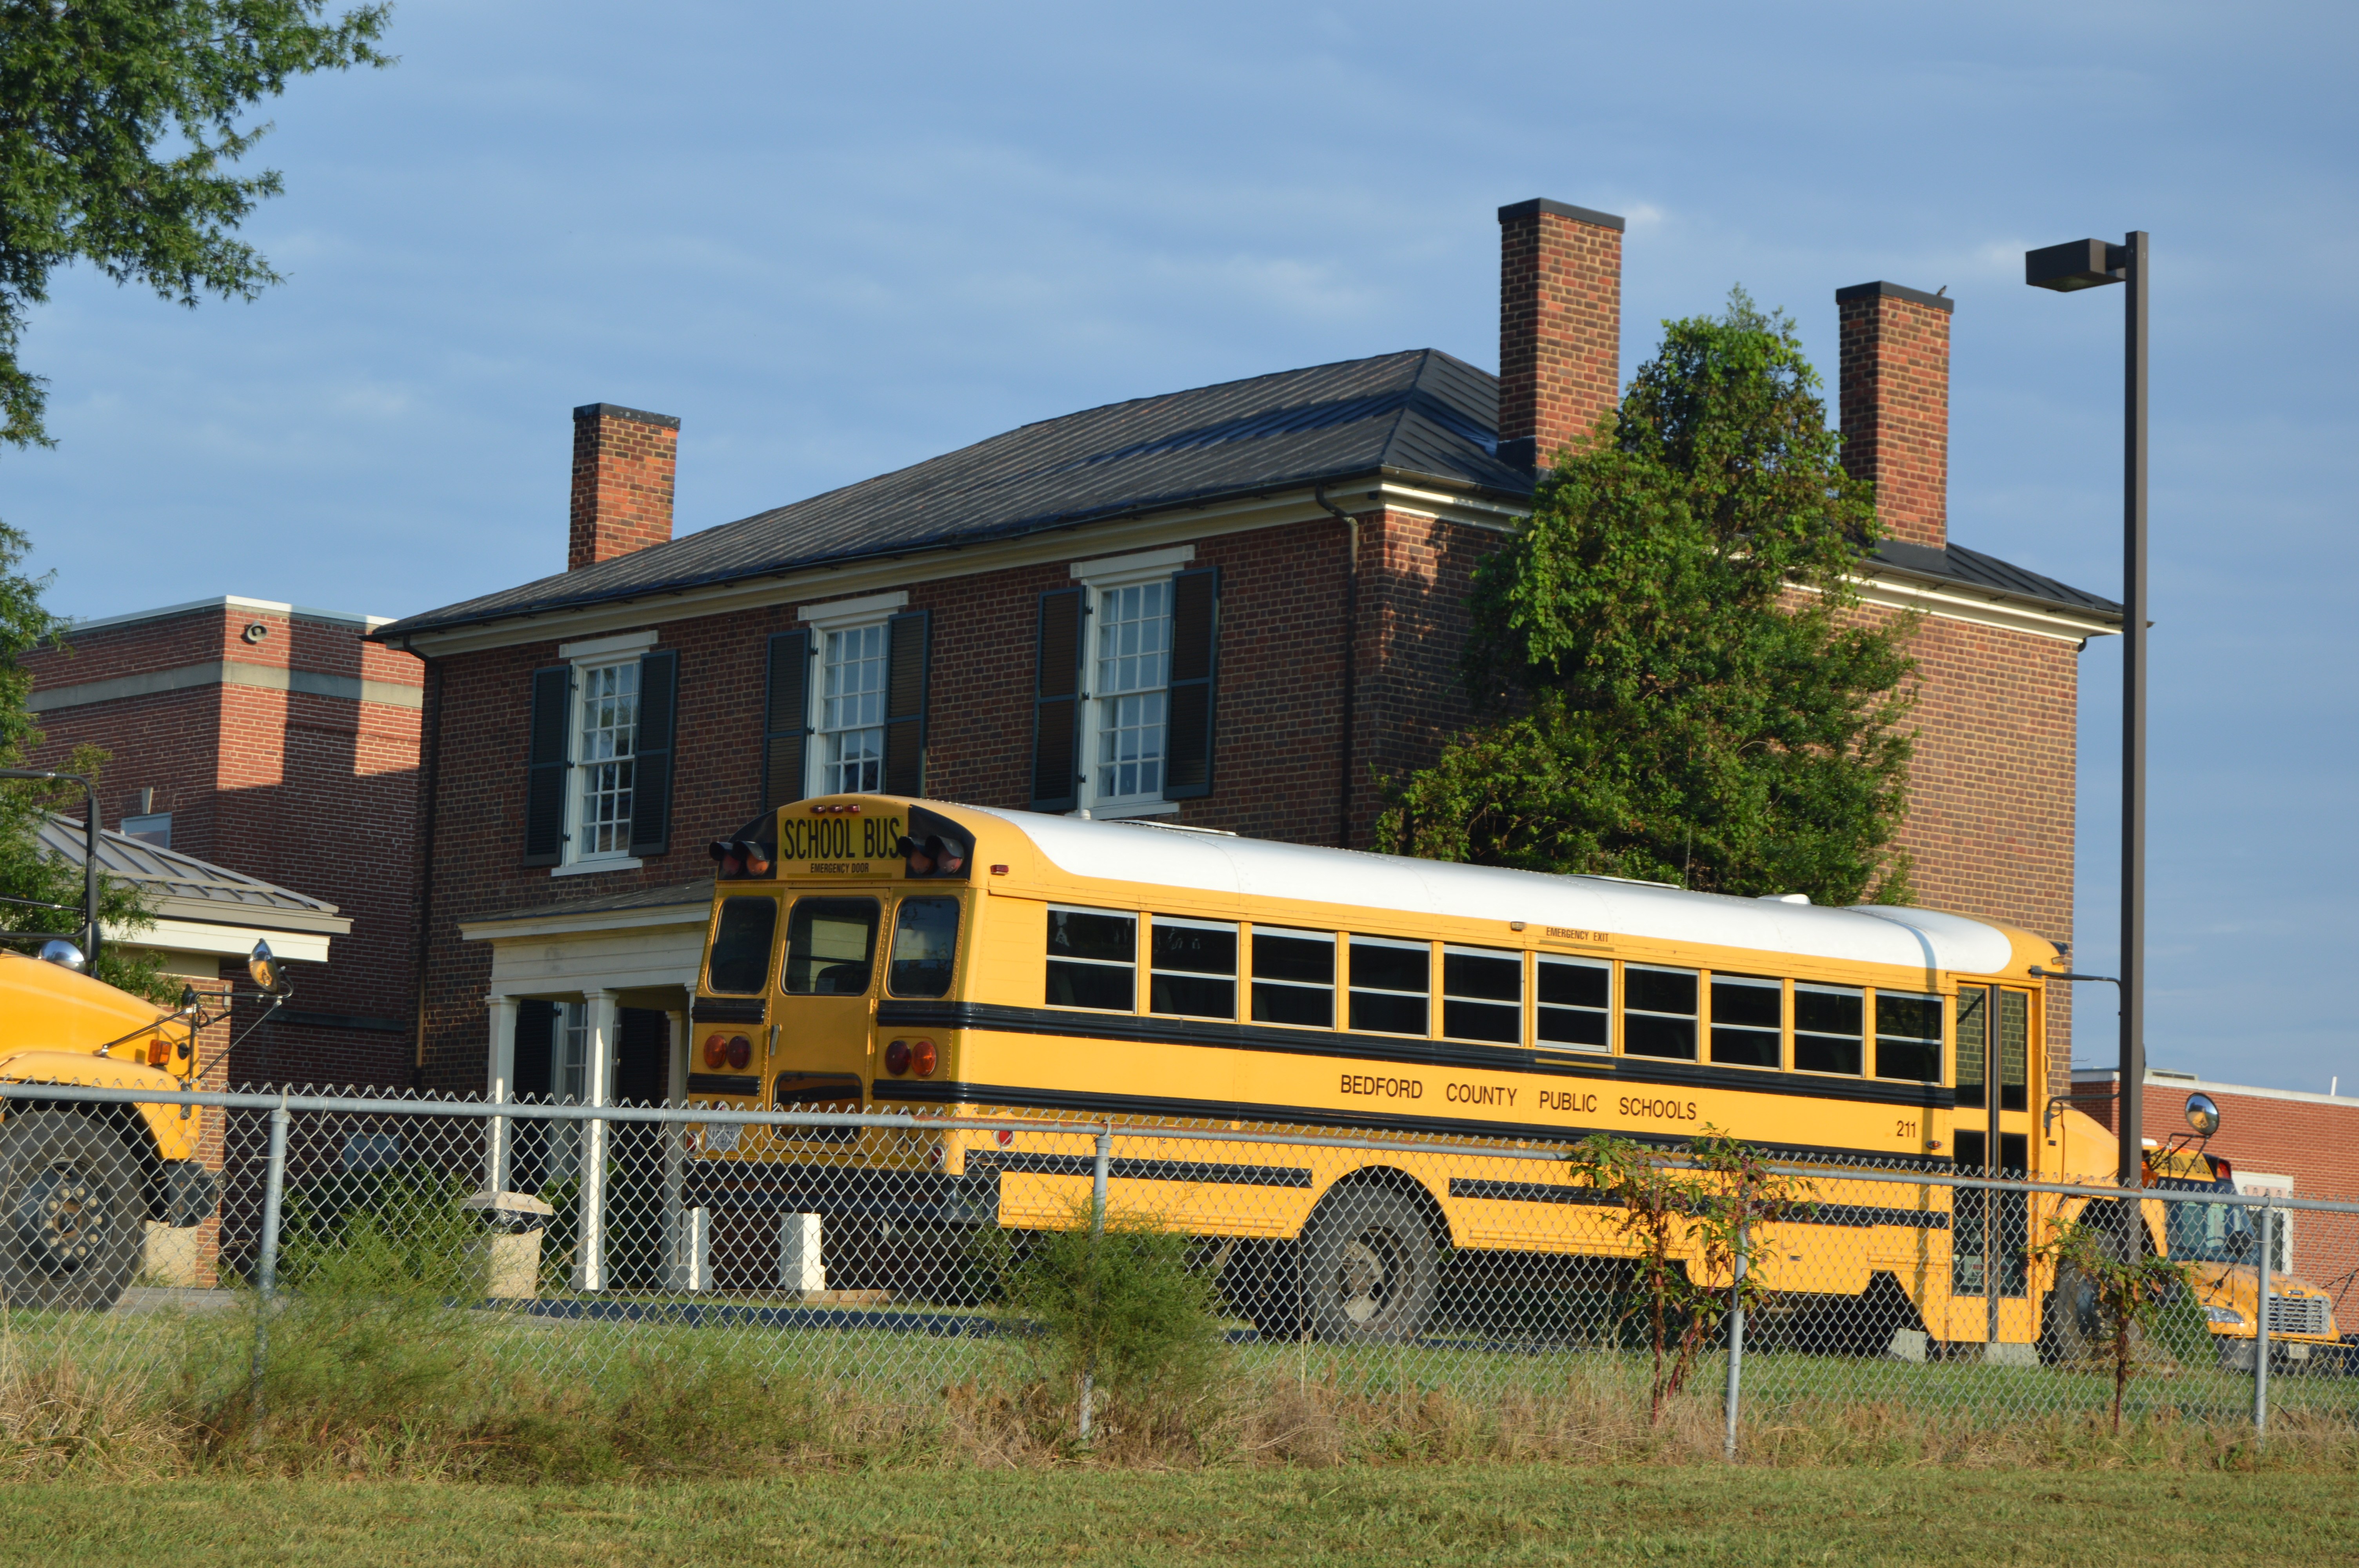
<point x="2261" y="1322"/>
<point x="590" y="1244"/>
<point x="1100" y="1168"/>
<point x="1736" y="1342"/>
<point x="266" y="1270"/>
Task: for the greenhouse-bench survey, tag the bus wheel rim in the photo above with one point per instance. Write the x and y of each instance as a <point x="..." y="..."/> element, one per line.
<point x="58" y="1216"/>
<point x="1365" y="1278"/>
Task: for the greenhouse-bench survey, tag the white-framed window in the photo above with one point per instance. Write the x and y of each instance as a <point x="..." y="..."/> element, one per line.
<point x="1126" y="679"/>
<point x="605" y="735"/>
<point x="850" y="728"/>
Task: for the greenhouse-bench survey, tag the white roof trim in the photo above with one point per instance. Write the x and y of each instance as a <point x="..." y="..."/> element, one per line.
<point x="590" y="923"/>
<point x="1868" y="933"/>
<point x="232" y="941"/>
<point x="2163" y="1079"/>
<point x="232" y="601"/>
<point x="1145" y="563"/>
<point x="591" y="647"/>
<point x="837" y="613"/>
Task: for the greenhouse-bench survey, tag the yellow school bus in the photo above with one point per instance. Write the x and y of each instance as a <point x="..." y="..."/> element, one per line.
<point x="895" y="955"/>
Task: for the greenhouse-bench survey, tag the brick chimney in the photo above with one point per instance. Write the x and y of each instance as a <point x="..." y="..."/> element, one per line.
<point x="1559" y="326"/>
<point x="624" y="460"/>
<point x="1895" y="385"/>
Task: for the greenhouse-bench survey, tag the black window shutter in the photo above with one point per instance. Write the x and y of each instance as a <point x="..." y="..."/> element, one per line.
<point x="905" y="703"/>
<point x="1195" y="662"/>
<point x="651" y="751"/>
<point x="786" y="722"/>
<point x="1057" y="703"/>
<point x="545" y="763"/>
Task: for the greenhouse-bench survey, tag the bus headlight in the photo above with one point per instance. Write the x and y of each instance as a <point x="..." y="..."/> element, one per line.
<point x="2228" y="1315"/>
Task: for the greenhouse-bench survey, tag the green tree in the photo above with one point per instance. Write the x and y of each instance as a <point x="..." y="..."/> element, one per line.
<point x="119" y="121"/>
<point x="1670" y="678"/>
<point x="28" y="879"/>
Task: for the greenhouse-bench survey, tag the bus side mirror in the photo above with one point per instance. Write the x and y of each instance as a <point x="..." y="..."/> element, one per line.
<point x="2202" y="1115"/>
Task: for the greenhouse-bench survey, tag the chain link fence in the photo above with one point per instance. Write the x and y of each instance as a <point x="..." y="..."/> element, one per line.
<point x="875" y="1251"/>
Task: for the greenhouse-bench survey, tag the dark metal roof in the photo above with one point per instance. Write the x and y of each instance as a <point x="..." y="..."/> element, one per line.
<point x="179" y="886"/>
<point x="1962" y="567"/>
<point x="1418" y="412"/>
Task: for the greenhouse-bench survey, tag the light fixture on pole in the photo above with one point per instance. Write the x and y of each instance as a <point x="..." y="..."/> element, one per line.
<point x="2093" y="264"/>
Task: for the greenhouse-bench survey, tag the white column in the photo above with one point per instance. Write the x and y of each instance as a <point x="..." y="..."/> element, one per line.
<point x="500" y="1089"/>
<point x="599" y="1020"/>
<point x="681" y="1274"/>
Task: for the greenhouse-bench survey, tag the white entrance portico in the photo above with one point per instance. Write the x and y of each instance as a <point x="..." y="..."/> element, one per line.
<point x="589" y="961"/>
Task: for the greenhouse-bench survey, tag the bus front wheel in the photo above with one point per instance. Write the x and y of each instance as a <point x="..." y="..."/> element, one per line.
<point x="70" y="1212"/>
<point x="1369" y="1267"/>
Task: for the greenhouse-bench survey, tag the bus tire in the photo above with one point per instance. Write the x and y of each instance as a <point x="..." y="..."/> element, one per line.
<point x="1369" y="1267"/>
<point x="72" y="1204"/>
<point x="2072" y="1328"/>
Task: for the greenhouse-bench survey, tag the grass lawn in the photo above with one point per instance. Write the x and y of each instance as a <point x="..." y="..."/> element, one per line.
<point x="1299" y="1518"/>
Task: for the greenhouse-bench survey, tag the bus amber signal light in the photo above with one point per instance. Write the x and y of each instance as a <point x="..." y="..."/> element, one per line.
<point x="736" y="858"/>
<point x="923" y="1058"/>
<point x="932" y="854"/>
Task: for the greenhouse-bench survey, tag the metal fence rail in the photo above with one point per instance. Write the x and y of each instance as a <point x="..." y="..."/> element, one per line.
<point x="859" y="1248"/>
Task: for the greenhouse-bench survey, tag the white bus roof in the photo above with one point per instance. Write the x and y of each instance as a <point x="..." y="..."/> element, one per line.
<point x="1261" y="868"/>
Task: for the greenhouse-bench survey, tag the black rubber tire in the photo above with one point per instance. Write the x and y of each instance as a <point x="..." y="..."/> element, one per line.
<point x="2071" y="1329"/>
<point x="1369" y="1267"/>
<point x="72" y="1204"/>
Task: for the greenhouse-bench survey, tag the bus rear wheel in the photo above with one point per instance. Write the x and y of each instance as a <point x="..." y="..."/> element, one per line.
<point x="70" y="1208"/>
<point x="1369" y="1267"/>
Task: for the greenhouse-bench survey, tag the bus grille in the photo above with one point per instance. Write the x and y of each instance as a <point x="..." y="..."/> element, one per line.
<point x="2296" y="1314"/>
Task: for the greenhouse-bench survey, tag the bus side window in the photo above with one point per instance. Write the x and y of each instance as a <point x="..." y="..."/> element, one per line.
<point x="1483" y="995"/>
<point x="1294" y="977"/>
<point x="830" y="943"/>
<point x="1093" y="960"/>
<point x="925" y="947"/>
<point x="1576" y="1003"/>
<point x="1659" y="1012"/>
<point x="1194" y="968"/>
<point x="1973" y="1028"/>
<point x="741" y="945"/>
<point x="1908" y="1037"/>
<point x="1830" y="1029"/>
<point x="1390" y="984"/>
<point x="1748" y="1021"/>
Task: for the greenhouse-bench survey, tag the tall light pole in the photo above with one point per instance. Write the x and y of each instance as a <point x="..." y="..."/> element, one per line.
<point x="2091" y="263"/>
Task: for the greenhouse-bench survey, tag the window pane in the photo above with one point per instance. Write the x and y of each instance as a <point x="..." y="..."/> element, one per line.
<point x="2014" y="1049"/>
<point x="1480" y="976"/>
<point x="1828" y="1029"/>
<point x="610" y="700"/>
<point x="1391" y="965"/>
<point x="830" y="942"/>
<point x="1974" y="1025"/>
<point x="1107" y="987"/>
<point x="852" y="709"/>
<point x="1285" y="955"/>
<point x="1659" y="990"/>
<point x="1566" y="983"/>
<point x="1908" y="1037"/>
<point x="1191" y="996"/>
<point x="1086" y="934"/>
<point x="1568" y="1026"/>
<point x="925" y="946"/>
<point x="740" y="945"/>
<point x="1645" y="1034"/>
<point x="1199" y="949"/>
<point x="1380" y="1012"/>
<point x="1745" y="1047"/>
<point x="1134" y="625"/>
<point x="1482" y="1021"/>
<point x="1756" y="1004"/>
<point x="1308" y="1007"/>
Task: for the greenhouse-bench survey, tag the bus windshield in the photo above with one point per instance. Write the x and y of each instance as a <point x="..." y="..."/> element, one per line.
<point x="2207" y="1232"/>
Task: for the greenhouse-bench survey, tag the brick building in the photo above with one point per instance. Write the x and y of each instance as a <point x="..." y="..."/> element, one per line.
<point x="1233" y="607"/>
<point x="278" y="741"/>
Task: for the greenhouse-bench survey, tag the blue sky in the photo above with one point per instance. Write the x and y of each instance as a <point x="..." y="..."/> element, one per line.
<point x="837" y="240"/>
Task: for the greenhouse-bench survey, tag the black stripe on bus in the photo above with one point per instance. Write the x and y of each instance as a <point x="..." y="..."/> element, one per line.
<point x="1127" y="1170"/>
<point x="1394" y="1050"/>
<point x="1840" y="1214"/>
<point x="1095" y="1103"/>
<point x="723" y="1084"/>
<point x="720" y="1009"/>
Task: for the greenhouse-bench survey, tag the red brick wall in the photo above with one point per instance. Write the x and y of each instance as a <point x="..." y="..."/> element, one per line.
<point x="624" y="465"/>
<point x="1560" y="324"/>
<point x="1894" y="378"/>
<point x="317" y="793"/>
